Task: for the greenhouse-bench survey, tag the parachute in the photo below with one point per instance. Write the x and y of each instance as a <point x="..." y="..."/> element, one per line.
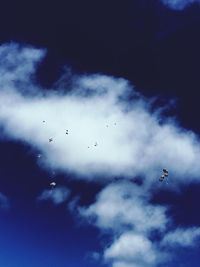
<point x="53" y="184"/>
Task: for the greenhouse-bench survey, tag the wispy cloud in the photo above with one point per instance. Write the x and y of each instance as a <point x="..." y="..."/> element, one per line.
<point x="4" y="202"/>
<point x="57" y="195"/>
<point x="182" y="237"/>
<point x="179" y="4"/>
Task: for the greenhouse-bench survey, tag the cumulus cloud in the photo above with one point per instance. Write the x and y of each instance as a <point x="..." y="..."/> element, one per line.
<point x="4" y="202"/>
<point x="57" y="195"/>
<point x="123" y="210"/>
<point x="112" y="130"/>
<point x="122" y="205"/>
<point x="131" y="248"/>
<point x="179" y="4"/>
<point x="101" y="128"/>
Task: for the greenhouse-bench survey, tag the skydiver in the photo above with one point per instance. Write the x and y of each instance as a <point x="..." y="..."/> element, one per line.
<point x="165" y="172"/>
<point x="53" y="184"/>
<point x="162" y="177"/>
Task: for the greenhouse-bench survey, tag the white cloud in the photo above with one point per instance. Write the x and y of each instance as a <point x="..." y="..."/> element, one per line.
<point x="182" y="237"/>
<point x="57" y="195"/>
<point x="131" y="141"/>
<point x="125" y="205"/>
<point x="124" y="210"/>
<point x="179" y="4"/>
<point x="94" y="108"/>
<point x="131" y="248"/>
<point x="4" y="202"/>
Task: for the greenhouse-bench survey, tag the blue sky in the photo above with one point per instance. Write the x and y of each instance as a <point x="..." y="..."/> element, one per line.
<point x="99" y="97"/>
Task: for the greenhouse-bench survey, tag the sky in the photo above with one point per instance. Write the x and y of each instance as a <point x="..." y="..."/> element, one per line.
<point x="98" y="97"/>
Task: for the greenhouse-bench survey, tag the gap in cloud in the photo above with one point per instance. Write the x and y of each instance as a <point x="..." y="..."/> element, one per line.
<point x="182" y="204"/>
<point x="50" y="71"/>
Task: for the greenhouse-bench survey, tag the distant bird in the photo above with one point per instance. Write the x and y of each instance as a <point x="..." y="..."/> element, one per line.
<point x="50" y="139"/>
<point x="95" y="144"/>
<point x="66" y="131"/>
<point x="43" y="121"/>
